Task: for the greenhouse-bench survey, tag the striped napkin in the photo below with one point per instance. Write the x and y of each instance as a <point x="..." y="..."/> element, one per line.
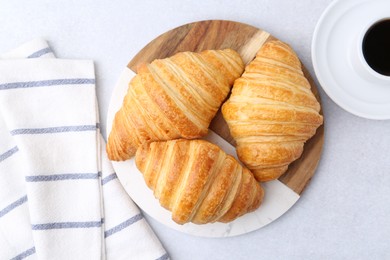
<point x="59" y="195"/>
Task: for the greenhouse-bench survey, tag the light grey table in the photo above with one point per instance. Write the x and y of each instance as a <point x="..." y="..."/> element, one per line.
<point x="344" y="212"/>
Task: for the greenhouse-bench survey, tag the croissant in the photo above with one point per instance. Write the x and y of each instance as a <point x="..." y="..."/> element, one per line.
<point x="171" y="98"/>
<point x="272" y="112"/>
<point x="197" y="181"/>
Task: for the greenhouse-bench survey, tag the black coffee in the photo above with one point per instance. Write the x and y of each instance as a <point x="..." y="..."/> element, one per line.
<point x="376" y="47"/>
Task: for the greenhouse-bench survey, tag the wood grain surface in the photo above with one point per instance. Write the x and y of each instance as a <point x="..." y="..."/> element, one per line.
<point x="246" y="40"/>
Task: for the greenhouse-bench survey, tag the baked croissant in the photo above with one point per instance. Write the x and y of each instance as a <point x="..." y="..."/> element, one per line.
<point x="197" y="181"/>
<point x="272" y="112"/>
<point x="171" y="98"/>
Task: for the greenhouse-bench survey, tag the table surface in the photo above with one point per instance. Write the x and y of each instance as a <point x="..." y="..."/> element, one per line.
<point x="345" y="210"/>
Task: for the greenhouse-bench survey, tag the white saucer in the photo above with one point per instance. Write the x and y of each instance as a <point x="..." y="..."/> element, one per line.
<point x="338" y="60"/>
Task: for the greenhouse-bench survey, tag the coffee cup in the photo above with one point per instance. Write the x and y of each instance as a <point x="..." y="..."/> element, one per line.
<point x="371" y="55"/>
<point x="376" y="47"/>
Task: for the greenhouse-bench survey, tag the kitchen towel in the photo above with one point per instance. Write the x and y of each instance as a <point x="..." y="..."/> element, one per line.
<point x="59" y="196"/>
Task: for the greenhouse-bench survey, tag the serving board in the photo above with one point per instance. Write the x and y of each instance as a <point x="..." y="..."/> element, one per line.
<point x="281" y="194"/>
<point x="246" y="40"/>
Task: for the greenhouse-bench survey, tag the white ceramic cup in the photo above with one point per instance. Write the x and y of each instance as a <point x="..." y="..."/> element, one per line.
<point x="358" y="60"/>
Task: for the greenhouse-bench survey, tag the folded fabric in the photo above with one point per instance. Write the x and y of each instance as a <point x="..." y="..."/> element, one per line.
<point x="59" y="196"/>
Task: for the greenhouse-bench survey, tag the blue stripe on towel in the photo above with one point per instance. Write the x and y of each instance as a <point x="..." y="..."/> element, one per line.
<point x="163" y="257"/>
<point x="46" y="83"/>
<point x="24" y="254"/>
<point x="40" y="53"/>
<point x="109" y="178"/>
<point x="123" y="225"/>
<point x="61" y="225"/>
<point x="8" y="153"/>
<point x="13" y="205"/>
<point x="50" y="130"/>
<point x="60" y="177"/>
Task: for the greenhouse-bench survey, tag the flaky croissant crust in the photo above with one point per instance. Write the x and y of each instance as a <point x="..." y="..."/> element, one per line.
<point x="197" y="181"/>
<point x="272" y="112"/>
<point x="171" y="98"/>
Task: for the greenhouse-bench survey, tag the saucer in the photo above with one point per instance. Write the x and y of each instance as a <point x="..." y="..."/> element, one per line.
<point x="338" y="60"/>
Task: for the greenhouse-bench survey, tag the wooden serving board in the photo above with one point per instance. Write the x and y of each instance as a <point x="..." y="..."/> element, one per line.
<point x="246" y="40"/>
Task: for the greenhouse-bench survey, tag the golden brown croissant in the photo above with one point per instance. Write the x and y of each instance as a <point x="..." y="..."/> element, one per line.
<point x="171" y="98"/>
<point x="272" y="111"/>
<point x="197" y="181"/>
